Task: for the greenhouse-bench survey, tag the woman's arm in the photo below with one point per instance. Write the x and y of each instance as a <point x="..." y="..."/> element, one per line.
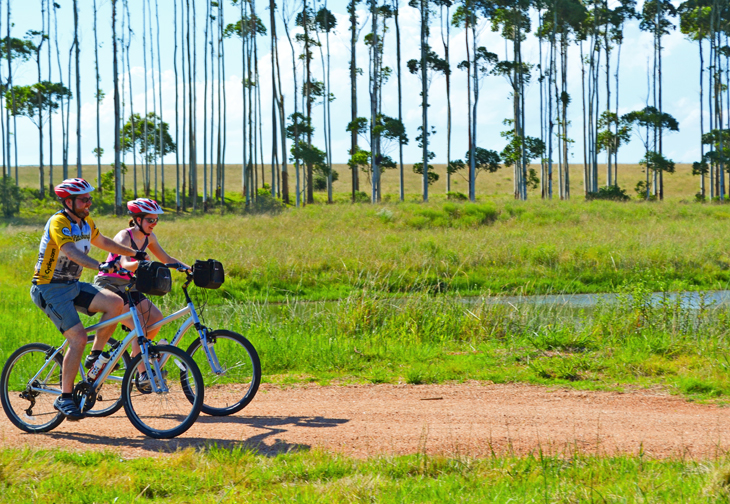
<point x="155" y="247"/>
<point x="112" y="246"/>
<point x="125" y="262"/>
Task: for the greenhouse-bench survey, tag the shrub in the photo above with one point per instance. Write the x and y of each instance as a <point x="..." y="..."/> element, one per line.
<point x="11" y="197"/>
<point x="611" y="193"/>
<point x="455" y="195"/>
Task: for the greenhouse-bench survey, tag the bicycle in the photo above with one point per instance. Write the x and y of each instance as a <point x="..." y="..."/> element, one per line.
<point x="31" y="380"/>
<point x="232" y="361"/>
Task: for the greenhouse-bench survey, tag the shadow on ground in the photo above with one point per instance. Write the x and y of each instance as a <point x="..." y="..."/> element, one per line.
<point x="266" y="443"/>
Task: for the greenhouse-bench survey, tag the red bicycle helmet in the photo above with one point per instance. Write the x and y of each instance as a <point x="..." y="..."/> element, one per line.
<point x="71" y="188"/>
<point x="144" y="206"/>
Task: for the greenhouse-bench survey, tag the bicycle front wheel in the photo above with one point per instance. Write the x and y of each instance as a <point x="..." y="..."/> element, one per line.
<point x="167" y="413"/>
<point x="109" y="396"/>
<point x="231" y="389"/>
<point x="27" y="392"/>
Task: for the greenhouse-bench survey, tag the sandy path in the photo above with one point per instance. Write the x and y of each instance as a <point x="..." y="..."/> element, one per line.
<point x="468" y="419"/>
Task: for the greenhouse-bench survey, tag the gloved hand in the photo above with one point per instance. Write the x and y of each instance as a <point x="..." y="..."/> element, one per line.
<point x="141" y="255"/>
<point x="110" y="266"/>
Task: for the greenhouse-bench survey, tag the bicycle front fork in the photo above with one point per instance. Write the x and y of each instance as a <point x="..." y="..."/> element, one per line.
<point x="208" y="345"/>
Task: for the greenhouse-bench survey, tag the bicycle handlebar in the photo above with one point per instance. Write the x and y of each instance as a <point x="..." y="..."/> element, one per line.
<point x="179" y="267"/>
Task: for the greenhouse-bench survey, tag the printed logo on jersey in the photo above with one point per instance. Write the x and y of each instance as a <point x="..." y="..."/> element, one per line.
<point x="51" y="260"/>
<point x="66" y="231"/>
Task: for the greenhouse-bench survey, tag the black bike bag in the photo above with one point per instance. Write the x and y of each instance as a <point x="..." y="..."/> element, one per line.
<point x="208" y="274"/>
<point x="153" y="278"/>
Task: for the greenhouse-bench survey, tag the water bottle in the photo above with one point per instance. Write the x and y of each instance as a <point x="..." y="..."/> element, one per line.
<point x="98" y="365"/>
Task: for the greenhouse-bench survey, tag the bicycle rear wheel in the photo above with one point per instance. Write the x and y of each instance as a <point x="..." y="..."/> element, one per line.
<point x="236" y="385"/>
<point x="24" y="400"/>
<point x="109" y="396"/>
<point x="164" y="415"/>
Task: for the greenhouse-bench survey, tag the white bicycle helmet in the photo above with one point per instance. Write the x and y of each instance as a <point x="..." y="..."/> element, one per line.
<point x="73" y="187"/>
<point x="144" y="206"/>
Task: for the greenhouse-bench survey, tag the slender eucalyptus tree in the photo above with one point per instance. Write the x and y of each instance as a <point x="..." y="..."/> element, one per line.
<point x="77" y="48"/>
<point x="512" y="17"/>
<point x="177" y="113"/>
<point x="287" y="14"/>
<point x="117" y="98"/>
<point x="97" y="150"/>
<point x="445" y="26"/>
<point x="131" y="93"/>
<point x="64" y="110"/>
<point x="355" y="32"/>
<point x="655" y="19"/>
<point x="159" y="78"/>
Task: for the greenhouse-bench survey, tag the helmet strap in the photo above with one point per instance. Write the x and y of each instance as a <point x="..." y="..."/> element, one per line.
<point x="139" y="225"/>
<point x="73" y="204"/>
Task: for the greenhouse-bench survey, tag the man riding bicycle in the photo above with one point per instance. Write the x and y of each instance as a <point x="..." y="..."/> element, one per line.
<point x="62" y="255"/>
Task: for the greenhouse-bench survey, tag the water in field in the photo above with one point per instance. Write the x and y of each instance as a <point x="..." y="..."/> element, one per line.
<point x="689" y="300"/>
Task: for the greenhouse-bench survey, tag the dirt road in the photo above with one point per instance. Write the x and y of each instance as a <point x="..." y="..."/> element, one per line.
<point x="470" y="419"/>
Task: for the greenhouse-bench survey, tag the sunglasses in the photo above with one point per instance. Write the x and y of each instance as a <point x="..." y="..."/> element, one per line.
<point x="85" y="200"/>
<point x="150" y="220"/>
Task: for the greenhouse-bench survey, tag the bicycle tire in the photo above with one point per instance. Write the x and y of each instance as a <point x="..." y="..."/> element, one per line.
<point x="28" y="410"/>
<point x="157" y="415"/>
<point x="230" y="392"/>
<point x="109" y="396"/>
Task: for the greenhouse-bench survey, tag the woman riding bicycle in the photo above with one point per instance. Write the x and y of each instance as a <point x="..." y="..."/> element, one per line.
<point x="140" y="236"/>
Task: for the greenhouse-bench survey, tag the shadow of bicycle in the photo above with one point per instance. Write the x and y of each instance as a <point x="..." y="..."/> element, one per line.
<point x="265" y="443"/>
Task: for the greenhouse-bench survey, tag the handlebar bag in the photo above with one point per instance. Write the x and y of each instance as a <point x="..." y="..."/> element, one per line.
<point x="153" y="278"/>
<point x="208" y="274"/>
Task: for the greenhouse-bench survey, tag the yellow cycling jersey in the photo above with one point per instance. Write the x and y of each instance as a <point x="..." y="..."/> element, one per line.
<point x="53" y="265"/>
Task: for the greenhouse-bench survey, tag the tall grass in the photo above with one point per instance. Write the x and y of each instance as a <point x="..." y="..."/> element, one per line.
<point x="240" y="475"/>
<point x="328" y="252"/>
<point x="634" y="341"/>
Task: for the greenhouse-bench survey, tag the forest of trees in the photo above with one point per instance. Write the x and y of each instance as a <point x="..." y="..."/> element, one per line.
<point x="296" y="167"/>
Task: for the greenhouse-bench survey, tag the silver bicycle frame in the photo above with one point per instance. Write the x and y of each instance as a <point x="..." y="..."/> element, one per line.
<point x="193" y="320"/>
<point x="158" y="384"/>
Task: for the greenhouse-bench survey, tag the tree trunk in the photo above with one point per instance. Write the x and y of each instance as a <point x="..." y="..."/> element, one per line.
<point x="205" y="106"/>
<point x="307" y="62"/>
<point x="475" y="77"/>
<point x="374" y="138"/>
<point x="177" y="116"/>
<point x="9" y="53"/>
<point x="98" y="129"/>
<point x="400" y="99"/>
<point x="296" y="110"/>
<point x="40" y="108"/>
<point x="445" y="43"/>
<point x="469" y="70"/>
<point x="353" y="92"/>
<point x="131" y="102"/>
<point x="161" y="138"/>
<point x="50" y="122"/>
<point x="117" y="144"/>
<point x="329" y="117"/>
<point x="424" y="93"/>
<point x="78" y="91"/>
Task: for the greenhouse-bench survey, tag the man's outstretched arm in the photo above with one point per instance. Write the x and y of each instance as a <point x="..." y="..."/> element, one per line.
<point x="79" y="257"/>
<point x="110" y="245"/>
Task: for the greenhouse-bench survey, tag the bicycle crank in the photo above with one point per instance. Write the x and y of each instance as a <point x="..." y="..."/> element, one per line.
<point x="84" y="390"/>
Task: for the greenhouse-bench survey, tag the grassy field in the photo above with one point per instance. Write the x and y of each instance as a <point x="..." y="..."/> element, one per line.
<point x="375" y="294"/>
<point x="631" y="343"/>
<point x="235" y="475"/>
<point x="495" y="246"/>
<point x="681" y="184"/>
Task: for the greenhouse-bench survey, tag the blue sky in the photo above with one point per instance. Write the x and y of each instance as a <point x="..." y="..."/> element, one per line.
<point x="681" y="84"/>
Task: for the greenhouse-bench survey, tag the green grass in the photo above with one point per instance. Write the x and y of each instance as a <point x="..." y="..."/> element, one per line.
<point x="240" y="475"/>
<point x="363" y="293"/>
<point x="631" y="343"/>
<point x="496" y="246"/>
